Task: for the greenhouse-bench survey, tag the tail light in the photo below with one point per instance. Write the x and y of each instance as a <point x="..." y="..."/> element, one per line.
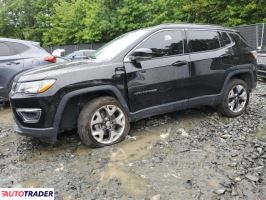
<point x="50" y="59"/>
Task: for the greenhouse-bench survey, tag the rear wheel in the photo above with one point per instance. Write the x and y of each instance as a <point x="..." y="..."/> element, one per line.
<point x="103" y="122"/>
<point x="235" y="99"/>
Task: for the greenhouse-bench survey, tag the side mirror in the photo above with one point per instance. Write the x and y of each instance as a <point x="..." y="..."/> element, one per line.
<point x="141" y="54"/>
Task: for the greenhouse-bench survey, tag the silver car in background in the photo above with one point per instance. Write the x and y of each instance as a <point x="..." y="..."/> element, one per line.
<point x="17" y="56"/>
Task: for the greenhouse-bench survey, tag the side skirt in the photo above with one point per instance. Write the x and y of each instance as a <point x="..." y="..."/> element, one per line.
<point x="209" y="100"/>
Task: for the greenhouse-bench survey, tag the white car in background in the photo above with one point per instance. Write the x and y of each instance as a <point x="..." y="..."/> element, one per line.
<point x="81" y="54"/>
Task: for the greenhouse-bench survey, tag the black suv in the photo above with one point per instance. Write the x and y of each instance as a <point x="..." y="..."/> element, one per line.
<point x="139" y="74"/>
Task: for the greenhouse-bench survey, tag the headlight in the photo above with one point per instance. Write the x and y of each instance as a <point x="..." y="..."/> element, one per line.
<point x="34" y="87"/>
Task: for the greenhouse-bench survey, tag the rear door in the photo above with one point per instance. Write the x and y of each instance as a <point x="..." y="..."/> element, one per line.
<point x="209" y="60"/>
<point x="163" y="78"/>
<point x="11" y="64"/>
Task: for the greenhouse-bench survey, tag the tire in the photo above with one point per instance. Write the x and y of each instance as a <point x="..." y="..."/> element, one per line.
<point x="98" y="127"/>
<point x="228" y="107"/>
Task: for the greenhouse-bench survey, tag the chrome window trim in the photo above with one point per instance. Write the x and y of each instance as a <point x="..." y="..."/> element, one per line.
<point x="126" y="58"/>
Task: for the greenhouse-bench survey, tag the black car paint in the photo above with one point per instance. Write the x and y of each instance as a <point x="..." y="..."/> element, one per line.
<point x="161" y="84"/>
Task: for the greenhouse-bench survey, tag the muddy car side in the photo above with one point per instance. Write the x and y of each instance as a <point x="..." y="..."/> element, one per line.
<point x="140" y="74"/>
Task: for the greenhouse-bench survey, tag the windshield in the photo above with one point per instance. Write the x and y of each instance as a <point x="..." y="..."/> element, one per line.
<point x="113" y="48"/>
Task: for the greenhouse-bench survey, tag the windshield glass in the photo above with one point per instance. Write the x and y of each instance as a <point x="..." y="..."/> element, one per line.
<point x="113" y="48"/>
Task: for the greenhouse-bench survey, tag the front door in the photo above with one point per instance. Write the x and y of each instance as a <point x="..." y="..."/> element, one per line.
<point x="161" y="79"/>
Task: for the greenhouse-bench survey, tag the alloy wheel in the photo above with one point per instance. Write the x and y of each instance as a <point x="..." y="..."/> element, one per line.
<point x="107" y="124"/>
<point x="237" y="98"/>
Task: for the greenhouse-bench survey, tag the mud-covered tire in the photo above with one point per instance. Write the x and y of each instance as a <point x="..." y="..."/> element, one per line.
<point x="225" y="108"/>
<point x="90" y="113"/>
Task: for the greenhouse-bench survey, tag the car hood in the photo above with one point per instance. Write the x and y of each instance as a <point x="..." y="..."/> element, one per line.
<point x="71" y="73"/>
<point x="58" y="71"/>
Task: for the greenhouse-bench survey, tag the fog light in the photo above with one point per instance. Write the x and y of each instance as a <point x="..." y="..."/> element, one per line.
<point x="29" y="115"/>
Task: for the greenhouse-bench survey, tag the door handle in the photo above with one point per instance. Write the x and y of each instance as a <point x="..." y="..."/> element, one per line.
<point x="13" y="63"/>
<point x="179" y="63"/>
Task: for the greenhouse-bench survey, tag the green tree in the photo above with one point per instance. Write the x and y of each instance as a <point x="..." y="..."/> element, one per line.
<point x="25" y="19"/>
<point x="229" y="13"/>
<point x="58" y="22"/>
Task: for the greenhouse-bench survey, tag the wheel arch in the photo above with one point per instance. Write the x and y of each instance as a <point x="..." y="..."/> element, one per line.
<point x="243" y="74"/>
<point x="72" y="103"/>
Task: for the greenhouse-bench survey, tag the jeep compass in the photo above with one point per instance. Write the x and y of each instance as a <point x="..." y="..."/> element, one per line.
<point x="142" y="73"/>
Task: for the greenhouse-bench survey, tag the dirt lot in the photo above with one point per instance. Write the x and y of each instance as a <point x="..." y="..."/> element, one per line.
<point x="193" y="154"/>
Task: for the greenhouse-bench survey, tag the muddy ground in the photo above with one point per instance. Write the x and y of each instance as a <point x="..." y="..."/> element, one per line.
<point x="194" y="154"/>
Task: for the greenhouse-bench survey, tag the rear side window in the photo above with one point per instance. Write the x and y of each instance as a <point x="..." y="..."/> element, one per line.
<point x="5" y="50"/>
<point x="203" y="40"/>
<point x="240" y="42"/>
<point x="17" y="47"/>
<point x="164" y="43"/>
<point x="225" y="38"/>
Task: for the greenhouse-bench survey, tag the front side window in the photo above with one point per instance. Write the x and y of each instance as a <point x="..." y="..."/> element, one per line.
<point x="203" y="40"/>
<point x="164" y="43"/>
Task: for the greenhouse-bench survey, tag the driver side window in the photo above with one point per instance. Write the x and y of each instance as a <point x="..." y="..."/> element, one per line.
<point x="164" y="43"/>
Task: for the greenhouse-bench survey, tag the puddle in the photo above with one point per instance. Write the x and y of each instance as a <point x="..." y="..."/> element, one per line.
<point x="118" y="168"/>
<point x="261" y="134"/>
<point x="6" y="117"/>
<point x="132" y="184"/>
<point x="31" y="183"/>
<point x="140" y="148"/>
<point x="82" y="151"/>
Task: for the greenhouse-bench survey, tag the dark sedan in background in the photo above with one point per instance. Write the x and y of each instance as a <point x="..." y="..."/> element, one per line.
<point x="17" y="56"/>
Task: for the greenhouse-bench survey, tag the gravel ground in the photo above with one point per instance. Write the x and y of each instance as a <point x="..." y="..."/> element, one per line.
<point x="193" y="154"/>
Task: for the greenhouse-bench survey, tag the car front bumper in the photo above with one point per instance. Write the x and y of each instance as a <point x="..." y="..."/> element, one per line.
<point x="34" y="115"/>
<point x="48" y="135"/>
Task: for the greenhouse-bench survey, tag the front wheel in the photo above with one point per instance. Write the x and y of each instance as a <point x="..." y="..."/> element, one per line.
<point x="235" y="99"/>
<point x="102" y="122"/>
